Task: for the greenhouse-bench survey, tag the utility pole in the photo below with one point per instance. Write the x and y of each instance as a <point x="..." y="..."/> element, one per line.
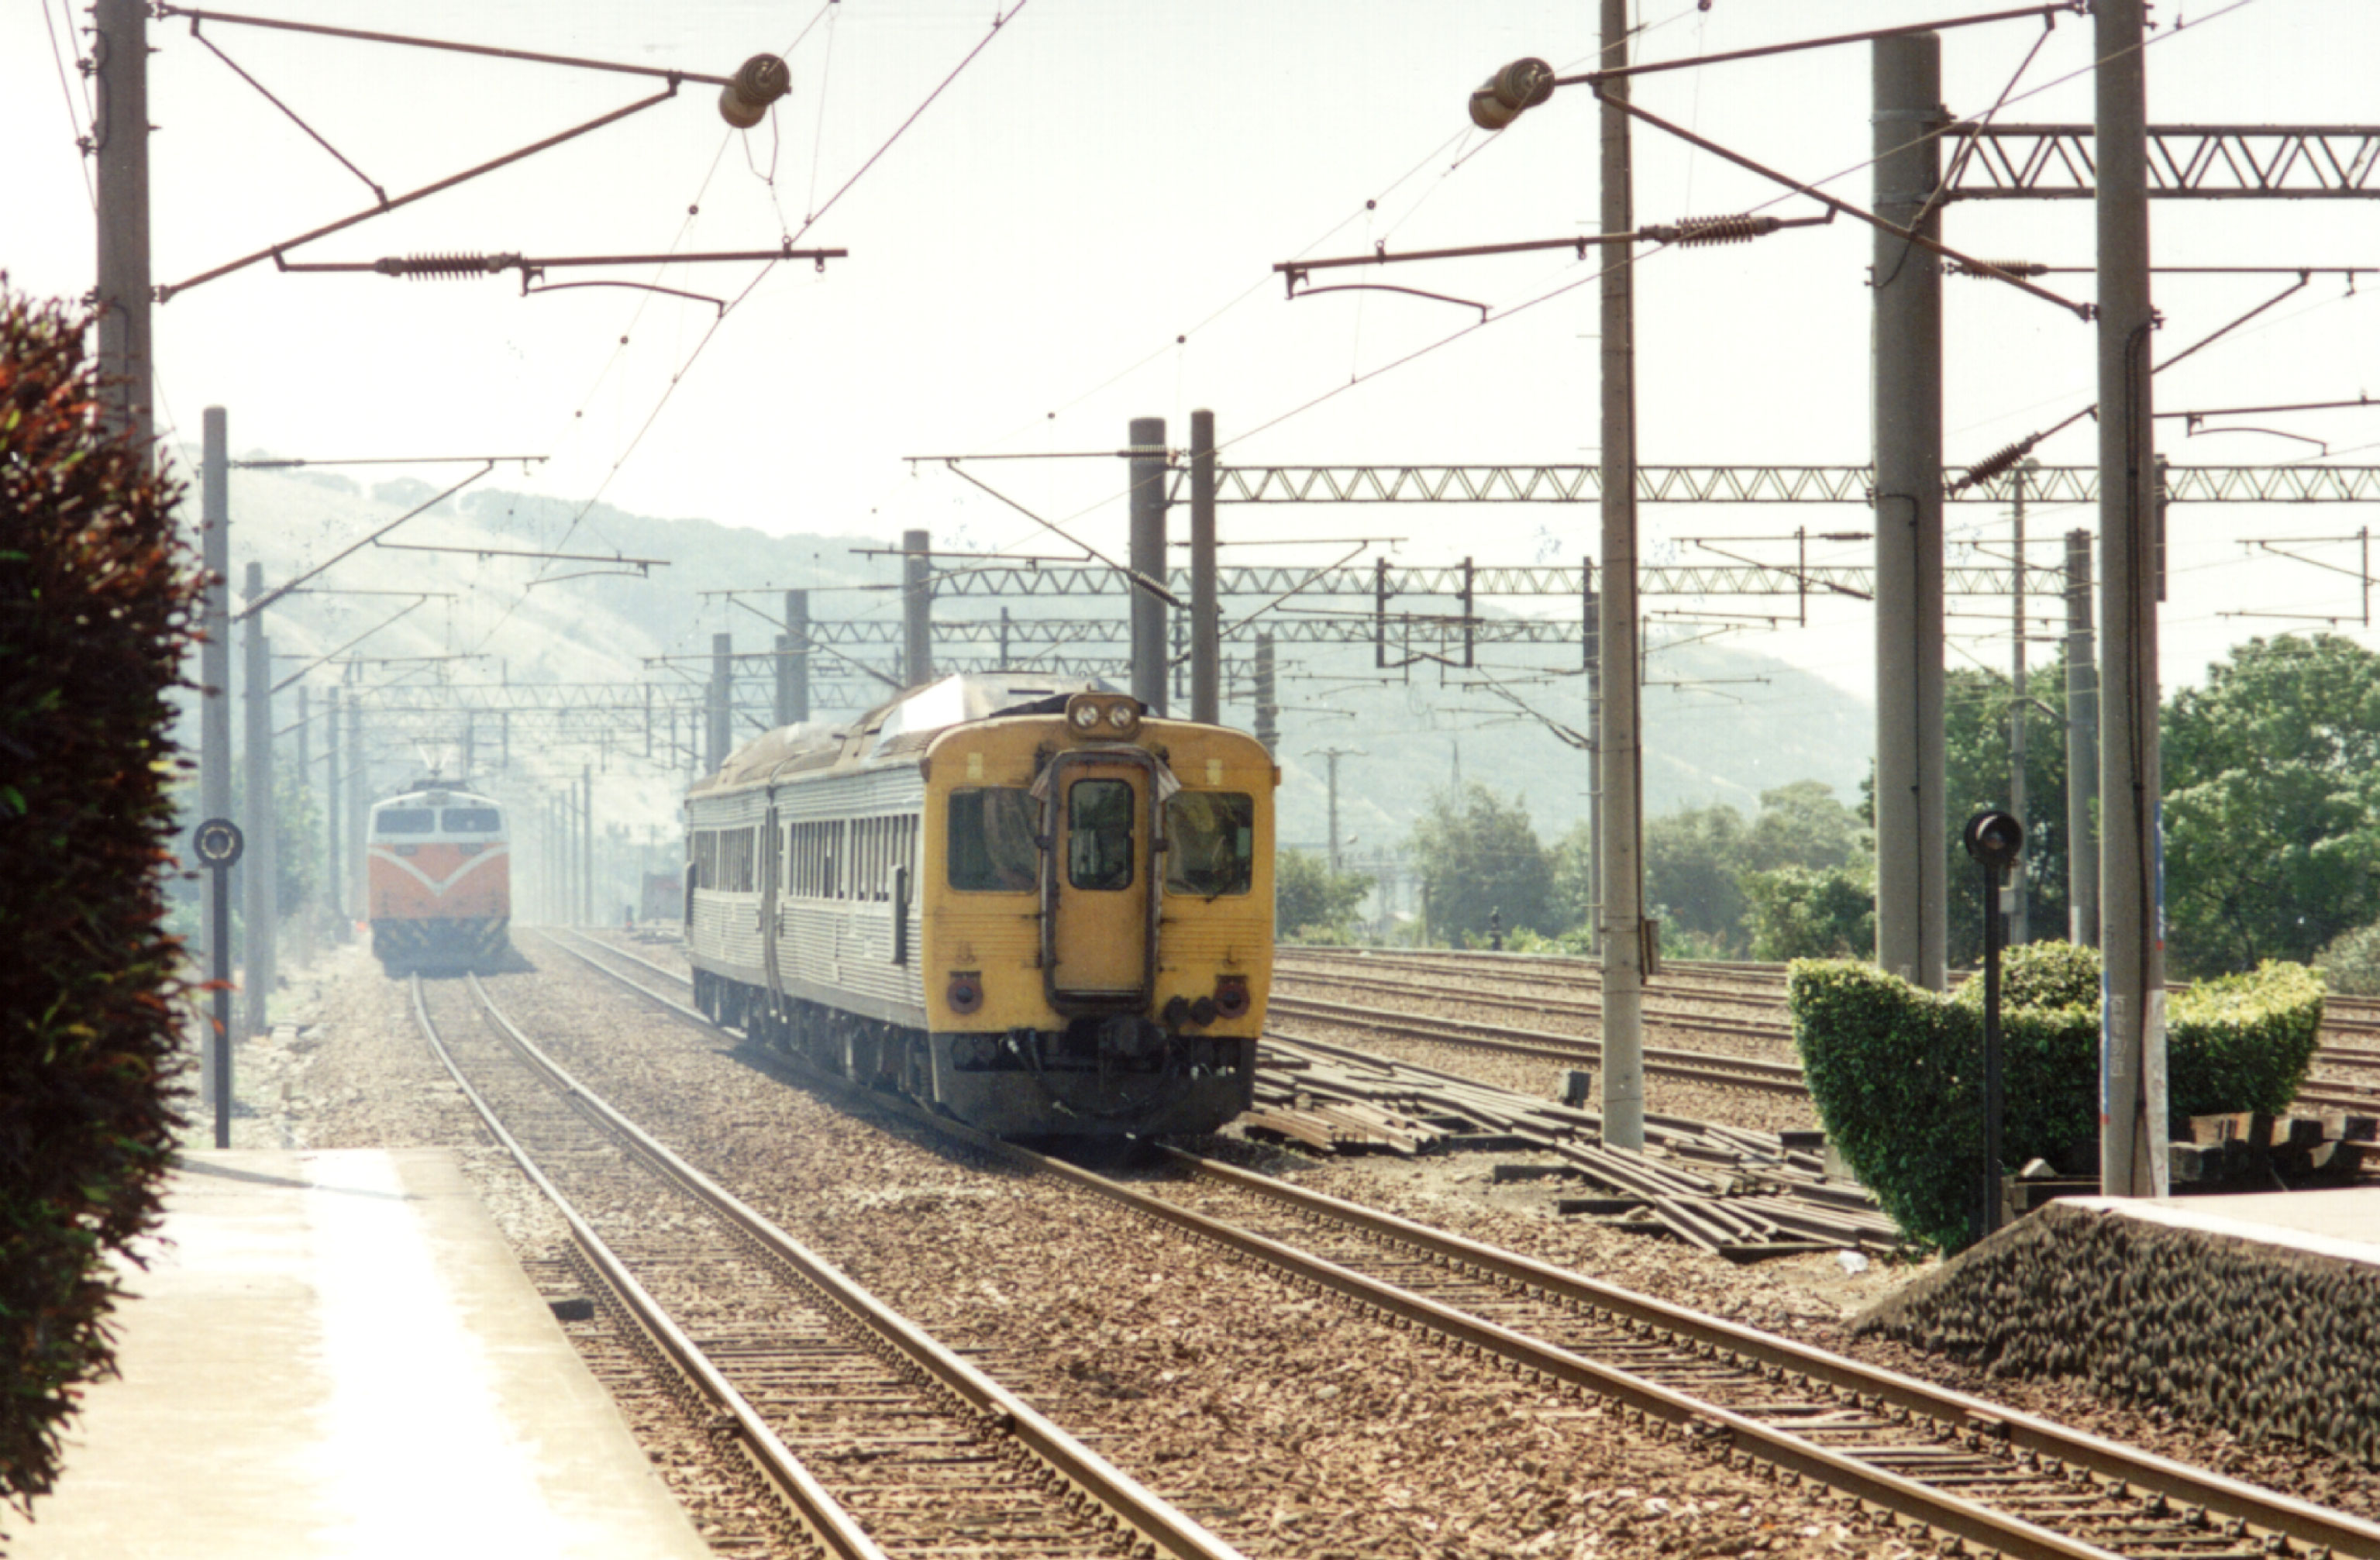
<point x="1331" y="756"/>
<point x="2019" y="929"/>
<point x="718" y="706"/>
<point x="358" y="901"/>
<point x="258" y="864"/>
<point x="2131" y="1067"/>
<point x="1592" y="647"/>
<point x="2082" y="749"/>
<point x="1206" y="623"/>
<point x="1912" y="834"/>
<point x="1620" y="765"/>
<point x="918" y="608"/>
<point x="1267" y="700"/>
<point x="214" y="655"/>
<point x="586" y="845"/>
<point x="1147" y="560"/>
<point x="305" y="787"/>
<point x="334" y="900"/>
<point x="121" y="137"/>
<point x="793" y="661"/>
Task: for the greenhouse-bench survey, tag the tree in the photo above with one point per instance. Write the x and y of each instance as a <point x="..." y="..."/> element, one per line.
<point x="2272" y="803"/>
<point x="1976" y="708"/>
<point x="1803" y="825"/>
<point x="1798" y="913"/>
<point x="1311" y="900"/>
<point x="1694" y="862"/>
<point x="97" y="597"/>
<point x="1569" y="901"/>
<point x="1478" y="854"/>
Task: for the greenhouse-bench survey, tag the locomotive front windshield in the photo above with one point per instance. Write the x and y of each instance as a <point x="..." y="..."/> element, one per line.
<point x="1098" y="834"/>
<point x="1211" y="842"/>
<point x="470" y="820"/>
<point x="991" y="840"/>
<point x="407" y="820"/>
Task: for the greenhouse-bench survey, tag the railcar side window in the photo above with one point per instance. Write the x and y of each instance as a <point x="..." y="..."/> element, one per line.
<point x="1098" y="834"/>
<point x="1211" y="842"/>
<point x="470" y="820"/>
<point x="407" y="820"/>
<point x="991" y="840"/>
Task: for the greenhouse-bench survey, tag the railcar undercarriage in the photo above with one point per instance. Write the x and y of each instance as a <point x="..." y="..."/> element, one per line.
<point x="1099" y="1076"/>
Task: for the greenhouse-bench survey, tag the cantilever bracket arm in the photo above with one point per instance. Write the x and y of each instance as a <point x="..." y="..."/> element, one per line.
<point x="2083" y="311"/>
<point x="275" y="251"/>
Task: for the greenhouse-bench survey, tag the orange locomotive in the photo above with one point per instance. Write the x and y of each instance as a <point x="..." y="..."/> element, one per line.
<point x="438" y="877"/>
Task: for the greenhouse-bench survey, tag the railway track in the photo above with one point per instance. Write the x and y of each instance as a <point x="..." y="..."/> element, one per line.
<point x="2357" y="1092"/>
<point x="1706" y="1067"/>
<point x="1962" y="1467"/>
<point x="923" y="1453"/>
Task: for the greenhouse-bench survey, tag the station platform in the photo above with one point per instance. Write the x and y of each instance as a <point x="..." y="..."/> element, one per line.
<point x="335" y="1354"/>
<point x="2341" y="1222"/>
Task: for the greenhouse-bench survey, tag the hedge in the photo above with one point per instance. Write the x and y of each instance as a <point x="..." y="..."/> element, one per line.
<point x="1896" y="1071"/>
<point x="97" y="599"/>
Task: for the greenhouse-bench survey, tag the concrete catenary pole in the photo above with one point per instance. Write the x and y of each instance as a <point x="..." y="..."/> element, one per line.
<point x="119" y="54"/>
<point x="2081" y="748"/>
<point x="2019" y="922"/>
<point x="793" y="662"/>
<point x="2131" y="1067"/>
<point x="1205" y="622"/>
<point x="257" y="867"/>
<point x="1147" y="559"/>
<point x="304" y="788"/>
<point x="719" y="704"/>
<point x="1593" y="642"/>
<point x="1268" y="729"/>
<point x="214" y="656"/>
<point x="1620" y="762"/>
<point x="1912" y="837"/>
<point x="334" y="898"/>
<point x="916" y="608"/>
<point x="358" y="812"/>
<point x="586" y="845"/>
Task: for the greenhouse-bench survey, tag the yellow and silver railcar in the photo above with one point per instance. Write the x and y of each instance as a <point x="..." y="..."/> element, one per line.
<point x="1021" y="900"/>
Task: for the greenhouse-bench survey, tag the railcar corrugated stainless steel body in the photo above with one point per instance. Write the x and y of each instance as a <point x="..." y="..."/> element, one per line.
<point x="438" y="880"/>
<point x="1012" y="899"/>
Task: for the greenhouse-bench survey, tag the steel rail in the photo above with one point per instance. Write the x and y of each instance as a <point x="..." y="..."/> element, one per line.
<point x="1146" y="1514"/>
<point x="2269" y="1511"/>
<point x="818" y="1512"/>
<point x="1583" y="1008"/>
<point x="1749" y="1072"/>
<point x="2300" y="1520"/>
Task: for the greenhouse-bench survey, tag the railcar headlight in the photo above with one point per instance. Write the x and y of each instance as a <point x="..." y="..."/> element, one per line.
<point x="1123" y="716"/>
<point x="1231" y="998"/>
<point x="1084" y="714"/>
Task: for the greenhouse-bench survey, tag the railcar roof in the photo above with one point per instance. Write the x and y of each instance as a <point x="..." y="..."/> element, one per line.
<point x="915" y="715"/>
<point x="454" y="795"/>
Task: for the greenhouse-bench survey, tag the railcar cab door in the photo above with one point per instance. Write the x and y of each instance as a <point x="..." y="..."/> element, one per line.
<point x="1098" y="899"/>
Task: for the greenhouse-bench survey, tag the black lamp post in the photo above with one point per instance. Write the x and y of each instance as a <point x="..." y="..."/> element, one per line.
<point x="1996" y="841"/>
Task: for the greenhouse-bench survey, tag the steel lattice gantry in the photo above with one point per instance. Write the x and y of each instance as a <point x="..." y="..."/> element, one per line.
<point x="1763" y="484"/>
<point x="2186" y="161"/>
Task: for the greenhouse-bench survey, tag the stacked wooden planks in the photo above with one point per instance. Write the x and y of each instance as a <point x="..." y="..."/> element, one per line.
<point x="1739" y="1194"/>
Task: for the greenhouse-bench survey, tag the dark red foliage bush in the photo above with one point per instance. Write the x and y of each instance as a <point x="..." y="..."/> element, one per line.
<point x="98" y="601"/>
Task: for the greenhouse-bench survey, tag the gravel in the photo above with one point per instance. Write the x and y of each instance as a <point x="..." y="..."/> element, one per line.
<point x="1294" y="1424"/>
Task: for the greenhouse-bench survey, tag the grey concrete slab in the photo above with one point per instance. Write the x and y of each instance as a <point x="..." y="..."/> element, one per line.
<point x="334" y="1355"/>
<point x="2342" y="1222"/>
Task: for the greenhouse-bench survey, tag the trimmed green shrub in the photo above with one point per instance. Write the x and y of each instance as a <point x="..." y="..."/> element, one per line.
<point x="2241" y="1042"/>
<point x="96" y="603"/>
<point x="1896" y="1071"/>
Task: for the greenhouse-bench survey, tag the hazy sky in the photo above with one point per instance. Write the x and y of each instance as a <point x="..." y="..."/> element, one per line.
<point x="1080" y="230"/>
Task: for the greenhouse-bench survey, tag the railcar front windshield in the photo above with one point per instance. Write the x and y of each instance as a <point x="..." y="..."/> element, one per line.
<point x="991" y="843"/>
<point x="406" y="820"/>
<point x="1211" y="842"/>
